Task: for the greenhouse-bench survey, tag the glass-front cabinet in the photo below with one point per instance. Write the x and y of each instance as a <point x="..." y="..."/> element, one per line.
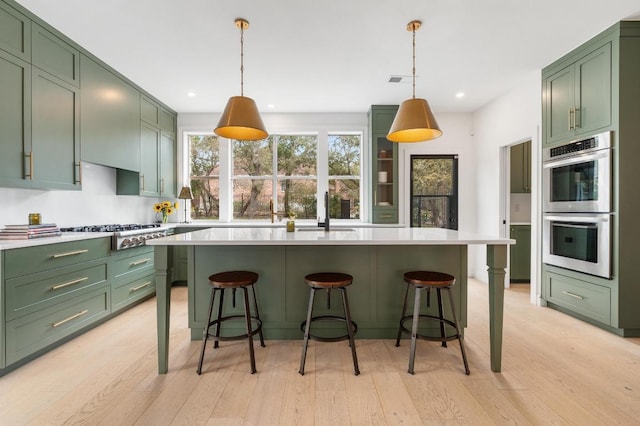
<point x="384" y="165"/>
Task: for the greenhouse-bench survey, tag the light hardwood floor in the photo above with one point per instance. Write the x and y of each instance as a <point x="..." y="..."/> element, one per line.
<point x="556" y="370"/>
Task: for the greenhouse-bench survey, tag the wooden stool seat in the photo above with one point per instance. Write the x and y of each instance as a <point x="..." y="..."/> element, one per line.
<point x="427" y="280"/>
<point x="329" y="281"/>
<point x="233" y="280"/>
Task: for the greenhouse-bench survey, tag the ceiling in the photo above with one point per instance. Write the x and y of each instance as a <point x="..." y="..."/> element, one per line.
<point x="329" y="55"/>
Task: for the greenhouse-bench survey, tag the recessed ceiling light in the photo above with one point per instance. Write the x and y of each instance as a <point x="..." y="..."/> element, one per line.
<point x="271" y="106"/>
<point x="460" y="95"/>
<point x="191" y="94"/>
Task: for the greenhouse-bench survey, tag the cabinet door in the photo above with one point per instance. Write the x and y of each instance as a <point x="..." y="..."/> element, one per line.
<point x="15" y="120"/>
<point x="149" y="143"/>
<point x="167" y="165"/>
<point x="15" y="36"/>
<point x="520" y="261"/>
<point x="55" y="148"/>
<point x="593" y="91"/>
<point x="51" y="54"/>
<point x="520" y="166"/>
<point x="110" y="118"/>
<point x="559" y="104"/>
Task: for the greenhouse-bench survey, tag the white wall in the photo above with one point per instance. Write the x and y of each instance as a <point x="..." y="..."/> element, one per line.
<point x="97" y="203"/>
<point x="514" y="117"/>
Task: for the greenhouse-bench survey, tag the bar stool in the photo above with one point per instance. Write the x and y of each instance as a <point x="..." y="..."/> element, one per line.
<point x="428" y="280"/>
<point x="233" y="280"/>
<point x="329" y="281"/>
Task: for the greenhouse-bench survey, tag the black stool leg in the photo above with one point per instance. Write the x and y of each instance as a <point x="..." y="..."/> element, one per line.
<point x="414" y="329"/>
<point x="440" y="312"/>
<point x="247" y="315"/>
<point x="255" y="306"/>
<point x="205" y="334"/>
<point x="352" y="342"/>
<point x="460" y="337"/>
<point x="404" y="312"/>
<point x="306" y="332"/>
<point x="216" y="343"/>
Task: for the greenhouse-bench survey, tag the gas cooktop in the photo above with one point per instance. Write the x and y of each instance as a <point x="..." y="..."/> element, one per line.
<point x="109" y="228"/>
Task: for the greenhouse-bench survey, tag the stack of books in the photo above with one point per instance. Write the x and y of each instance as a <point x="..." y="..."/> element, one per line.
<point x="25" y="232"/>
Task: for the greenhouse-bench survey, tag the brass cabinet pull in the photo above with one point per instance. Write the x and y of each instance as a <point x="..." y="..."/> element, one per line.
<point x="69" y="253"/>
<point x="72" y="317"/>
<point x="385" y="215"/>
<point x="68" y="283"/>
<point x="79" y="166"/>
<point x="577" y="122"/>
<point x="139" y="262"/>
<point x="143" y="285"/>
<point x="572" y="112"/>
<point x="141" y="182"/>
<point x="162" y="185"/>
<point x="30" y="174"/>
<point x="575" y="296"/>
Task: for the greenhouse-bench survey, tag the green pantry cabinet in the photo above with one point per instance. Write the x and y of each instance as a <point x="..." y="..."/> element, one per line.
<point x="52" y="292"/>
<point x="61" y="105"/>
<point x="601" y="78"/>
<point x="520" y="168"/>
<point x="384" y="165"/>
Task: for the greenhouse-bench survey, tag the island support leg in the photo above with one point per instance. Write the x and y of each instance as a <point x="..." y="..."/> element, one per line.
<point x="497" y="262"/>
<point x="163" y="303"/>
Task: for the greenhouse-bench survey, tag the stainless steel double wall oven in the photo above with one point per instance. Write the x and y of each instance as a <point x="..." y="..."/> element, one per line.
<point x="577" y="202"/>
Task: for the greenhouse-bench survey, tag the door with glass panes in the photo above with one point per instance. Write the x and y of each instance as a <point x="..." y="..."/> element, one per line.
<point x="434" y="191"/>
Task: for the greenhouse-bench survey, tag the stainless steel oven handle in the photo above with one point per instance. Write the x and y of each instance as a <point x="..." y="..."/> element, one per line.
<point x="573" y="225"/>
<point x="578" y="158"/>
<point x="603" y="217"/>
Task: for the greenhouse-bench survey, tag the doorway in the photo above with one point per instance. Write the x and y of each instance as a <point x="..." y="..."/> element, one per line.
<point x="434" y="191"/>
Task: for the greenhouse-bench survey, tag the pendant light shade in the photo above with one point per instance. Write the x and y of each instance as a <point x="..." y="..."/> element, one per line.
<point x="414" y="121"/>
<point x="241" y="119"/>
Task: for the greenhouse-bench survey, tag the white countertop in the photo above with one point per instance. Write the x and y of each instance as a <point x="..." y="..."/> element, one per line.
<point x="65" y="237"/>
<point x="317" y="236"/>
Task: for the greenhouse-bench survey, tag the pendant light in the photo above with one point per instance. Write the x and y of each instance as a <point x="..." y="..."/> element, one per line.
<point x="241" y="119"/>
<point x="414" y="121"/>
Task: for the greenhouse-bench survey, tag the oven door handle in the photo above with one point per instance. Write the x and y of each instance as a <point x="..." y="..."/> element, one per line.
<point x="573" y="225"/>
<point x="604" y="217"/>
<point x="579" y="158"/>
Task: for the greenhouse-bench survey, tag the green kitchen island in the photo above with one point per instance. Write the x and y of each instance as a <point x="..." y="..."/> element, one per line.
<point x="376" y="257"/>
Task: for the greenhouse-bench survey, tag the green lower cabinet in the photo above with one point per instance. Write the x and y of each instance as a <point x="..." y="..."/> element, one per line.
<point x="124" y="294"/>
<point x="520" y="253"/>
<point x="132" y="277"/>
<point x="30" y="333"/>
<point x="587" y="299"/>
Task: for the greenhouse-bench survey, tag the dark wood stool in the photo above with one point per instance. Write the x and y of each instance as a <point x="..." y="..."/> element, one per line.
<point x="233" y="280"/>
<point x="427" y="280"/>
<point x="329" y="281"/>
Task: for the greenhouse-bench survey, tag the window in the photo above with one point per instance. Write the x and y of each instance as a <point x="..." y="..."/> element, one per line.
<point x="204" y="155"/>
<point x="243" y="180"/>
<point x="344" y="175"/>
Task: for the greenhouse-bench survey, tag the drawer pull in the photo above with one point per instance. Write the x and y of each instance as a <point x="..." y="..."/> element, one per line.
<point x="385" y="216"/>
<point x="72" y="282"/>
<point x="72" y="317"/>
<point x="69" y="253"/>
<point x="575" y="296"/>
<point x="139" y="262"/>
<point x="141" y="286"/>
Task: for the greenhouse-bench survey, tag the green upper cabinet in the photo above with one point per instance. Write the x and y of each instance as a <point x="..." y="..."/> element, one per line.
<point x="110" y="118"/>
<point x="384" y="165"/>
<point x="577" y="97"/>
<point x="157" y="177"/>
<point x="15" y="120"/>
<point x="55" y="145"/>
<point x="520" y="166"/>
<point x="15" y="32"/>
<point x="55" y="56"/>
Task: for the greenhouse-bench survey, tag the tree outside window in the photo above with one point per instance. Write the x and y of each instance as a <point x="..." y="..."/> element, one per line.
<point x="204" y="170"/>
<point x="344" y="175"/>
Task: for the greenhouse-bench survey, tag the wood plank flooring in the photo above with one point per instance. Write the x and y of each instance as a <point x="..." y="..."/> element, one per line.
<point x="556" y="370"/>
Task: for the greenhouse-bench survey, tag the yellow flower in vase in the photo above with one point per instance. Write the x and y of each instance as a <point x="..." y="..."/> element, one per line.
<point x="165" y="208"/>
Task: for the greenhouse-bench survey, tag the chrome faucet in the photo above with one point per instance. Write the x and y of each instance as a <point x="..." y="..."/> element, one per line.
<point x="325" y="224"/>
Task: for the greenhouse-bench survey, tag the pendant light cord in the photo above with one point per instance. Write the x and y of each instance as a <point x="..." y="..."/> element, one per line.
<point x="414" y="60"/>
<point x="242" y="59"/>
